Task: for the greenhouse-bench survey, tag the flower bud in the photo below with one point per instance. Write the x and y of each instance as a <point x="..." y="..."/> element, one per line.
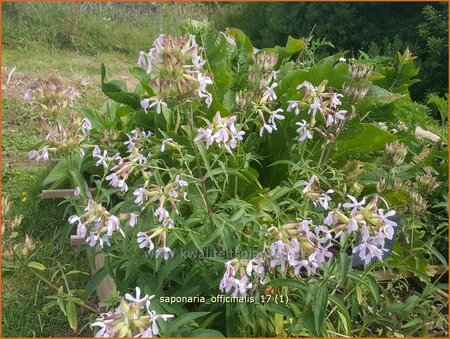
<point x="395" y="153"/>
<point x="381" y="185"/>
<point x="266" y="61"/>
<point x="356" y="189"/>
<point x="427" y="182"/>
<point x="418" y="203"/>
<point x="397" y="185"/>
<point x="360" y="72"/>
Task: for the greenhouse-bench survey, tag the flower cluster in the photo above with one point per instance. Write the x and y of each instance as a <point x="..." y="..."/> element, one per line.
<point x="316" y="99"/>
<point x="161" y="195"/>
<point x="132" y="318"/>
<point x="175" y="66"/>
<point x="374" y="225"/>
<point x="11" y="247"/>
<point x="301" y="249"/>
<point x="52" y="95"/>
<point x="315" y="194"/>
<point x="100" y="223"/>
<point x="63" y="139"/>
<point x="123" y="167"/>
<point x="239" y="272"/>
<point x="296" y="249"/>
<point x="222" y="131"/>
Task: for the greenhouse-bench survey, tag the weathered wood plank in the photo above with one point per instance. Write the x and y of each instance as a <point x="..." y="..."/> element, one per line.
<point x="62" y="193"/>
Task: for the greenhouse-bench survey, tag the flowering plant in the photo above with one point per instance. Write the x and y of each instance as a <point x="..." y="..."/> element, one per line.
<point x="260" y="162"/>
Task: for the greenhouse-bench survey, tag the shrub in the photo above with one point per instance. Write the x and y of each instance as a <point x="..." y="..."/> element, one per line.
<point x="256" y="186"/>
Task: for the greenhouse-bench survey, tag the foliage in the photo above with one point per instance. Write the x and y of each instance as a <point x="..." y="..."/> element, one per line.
<point x="379" y="28"/>
<point x="267" y="174"/>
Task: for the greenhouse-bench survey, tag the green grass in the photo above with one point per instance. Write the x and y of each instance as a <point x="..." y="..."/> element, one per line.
<point x="45" y="221"/>
<point x="24" y="296"/>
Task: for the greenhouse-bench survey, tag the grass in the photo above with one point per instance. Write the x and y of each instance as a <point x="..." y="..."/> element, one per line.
<point x="24" y="296"/>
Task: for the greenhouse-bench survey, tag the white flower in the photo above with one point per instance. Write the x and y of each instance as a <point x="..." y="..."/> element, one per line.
<point x="308" y="185"/>
<point x="265" y="127"/>
<point x="93" y="239"/>
<point x="274" y="115"/>
<point x="163" y="145"/>
<point x="164" y="252"/>
<point x="74" y="218"/>
<point x="133" y="219"/>
<point x="340" y="114"/>
<point x="299" y="264"/>
<point x="81" y="230"/>
<point x="354" y="205"/>
<point x="308" y="86"/>
<point x="205" y="134"/>
<point x="315" y="106"/>
<point x="330" y="218"/>
<point x="141" y="60"/>
<point x="162" y="214"/>
<point x="112" y="225"/>
<point x="324" y="199"/>
<point x="303" y="130"/>
<point x="387" y="229"/>
<point x="42" y="155"/>
<point x="137" y="299"/>
<point x="342" y="59"/>
<point x="86" y="125"/>
<point x="334" y="100"/>
<point x="101" y="158"/>
<point x="242" y="286"/>
<point x="159" y="103"/>
<point x="140" y="194"/>
<point x="77" y="191"/>
<point x="145" y="103"/>
<point x="180" y="183"/>
<point x="279" y="252"/>
<point x="293" y="105"/>
<point x="255" y="265"/>
<point x="145" y="241"/>
<point x="269" y="92"/>
<point x="197" y="61"/>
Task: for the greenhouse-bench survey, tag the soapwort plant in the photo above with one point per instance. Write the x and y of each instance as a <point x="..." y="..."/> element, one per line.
<point x="265" y="162"/>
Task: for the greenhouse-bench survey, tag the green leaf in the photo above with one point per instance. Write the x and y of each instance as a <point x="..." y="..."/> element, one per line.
<point x="77" y="180"/>
<point x="185" y="319"/>
<point x="308" y="322"/>
<point x="293" y="46"/>
<point x="94" y="282"/>
<point x="205" y="333"/>
<point x="288" y="282"/>
<point x="117" y="91"/>
<point x="361" y="138"/>
<point x="320" y="308"/>
<point x="376" y="97"/>
<point x="144" y="79"/>
<point x="36" y="265"/>
<point x="71" y="315"/>
<point x="279" y="308"/>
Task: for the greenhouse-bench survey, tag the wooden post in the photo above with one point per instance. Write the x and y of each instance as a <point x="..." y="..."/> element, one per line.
<point x="107" y="284"/>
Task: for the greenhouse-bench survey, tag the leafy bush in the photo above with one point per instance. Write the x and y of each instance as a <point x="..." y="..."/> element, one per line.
<point x="379" y="28"/>
<point x="259" y="187"/>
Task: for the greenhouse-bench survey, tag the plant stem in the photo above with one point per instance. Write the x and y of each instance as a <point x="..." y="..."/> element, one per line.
<point x="48" y="283"/>
<point x="197" y="161"/>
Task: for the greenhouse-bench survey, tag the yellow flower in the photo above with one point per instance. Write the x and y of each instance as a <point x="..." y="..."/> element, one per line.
<point x="24" y="199"/>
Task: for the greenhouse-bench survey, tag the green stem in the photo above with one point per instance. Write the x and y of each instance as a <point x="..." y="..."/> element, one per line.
<point x="197" y="161"/>
<point x="48" y="283"/>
